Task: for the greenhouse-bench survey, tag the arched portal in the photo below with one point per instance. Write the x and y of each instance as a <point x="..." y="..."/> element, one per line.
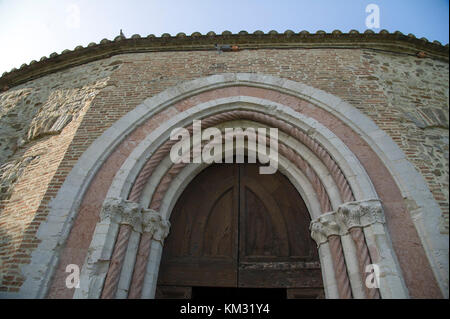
<point x="233" y="227"/>
<point x="350" y="174"/>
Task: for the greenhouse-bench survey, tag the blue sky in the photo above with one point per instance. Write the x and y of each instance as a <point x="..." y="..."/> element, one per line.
<point x="30" y="29"/>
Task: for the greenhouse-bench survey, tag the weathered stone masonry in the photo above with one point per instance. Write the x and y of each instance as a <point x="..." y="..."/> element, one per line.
<point x="48" y="120"/>
<point x="32" y="151"/>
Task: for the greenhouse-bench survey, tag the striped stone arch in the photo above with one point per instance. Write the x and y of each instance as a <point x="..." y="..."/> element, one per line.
<point x="328" y="150"/>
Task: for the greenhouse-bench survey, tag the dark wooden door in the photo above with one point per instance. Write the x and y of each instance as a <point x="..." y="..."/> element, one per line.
<point x="233" y="227"/>
<point x="201" y="249"/>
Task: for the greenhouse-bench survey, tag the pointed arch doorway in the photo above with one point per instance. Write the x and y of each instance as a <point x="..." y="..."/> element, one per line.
<point x="236" y="232"/>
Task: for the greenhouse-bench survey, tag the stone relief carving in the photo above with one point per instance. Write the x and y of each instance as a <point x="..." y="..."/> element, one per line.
<point x="360" y="214"/>
<point x="111" y="210"/>
<point x="348" y="215"/>
<point x="323" y="227"/>
<point x="150" y="220"/>
<point x="154" y="224"/>
<point x="126" y="212"/>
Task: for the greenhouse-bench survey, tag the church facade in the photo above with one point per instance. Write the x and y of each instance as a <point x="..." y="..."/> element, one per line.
<point x="92" y="204"/>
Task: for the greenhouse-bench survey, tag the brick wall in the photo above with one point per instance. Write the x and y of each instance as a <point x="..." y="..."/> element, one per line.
<point x="31" y="151"/>
<point x="416" y="102"/>
<point x="405" y="96"/>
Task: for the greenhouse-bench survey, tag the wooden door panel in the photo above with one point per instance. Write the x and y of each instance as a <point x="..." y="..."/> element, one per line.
<point x="218" y="234"/>
<point x="275" y="246"/>
<point x="263" y="231"/>
<point x="278" y="275"/>
<point x="173" y="292"/>
<point x="274" y="219"/>
<point x="201" y="249"/>
<point x="199" y="272"/>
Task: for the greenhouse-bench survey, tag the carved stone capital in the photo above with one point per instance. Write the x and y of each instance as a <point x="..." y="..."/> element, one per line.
<point x="360" y="214"/>
<point x="112" y="210"/>
<point x="352" y="214"/>
<point x="150" y="220"/>
<point x="162" y="231"/>
<point x="154" y="224"/>
<point x="126" y="212"/>
<point x="121" y="211"/>
<point x="323" y="227"/>
<point x="131" y="215"/>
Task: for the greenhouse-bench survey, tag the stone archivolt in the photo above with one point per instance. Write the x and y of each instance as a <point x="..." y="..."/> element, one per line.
<point x="326" y="226"/>
<point x="350" y="218"/>
<point x="301" y="136"/>
<point x="154" y="161"/>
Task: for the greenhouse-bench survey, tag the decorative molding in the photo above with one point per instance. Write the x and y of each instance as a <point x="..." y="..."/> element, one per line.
<point x="284" y="150"/>
<point x="298" y="134"/>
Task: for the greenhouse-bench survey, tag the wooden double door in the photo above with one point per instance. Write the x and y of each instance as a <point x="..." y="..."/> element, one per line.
<point x="233" y="227"/>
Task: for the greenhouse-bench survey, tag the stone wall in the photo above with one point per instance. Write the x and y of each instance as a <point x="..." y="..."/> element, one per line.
<point x="417" y="100"/>
<point x="59" y="115"/>
<point x="37" y="123"/>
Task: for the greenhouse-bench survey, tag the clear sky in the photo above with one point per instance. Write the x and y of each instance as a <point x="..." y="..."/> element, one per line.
<point x="30" y="29"/>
